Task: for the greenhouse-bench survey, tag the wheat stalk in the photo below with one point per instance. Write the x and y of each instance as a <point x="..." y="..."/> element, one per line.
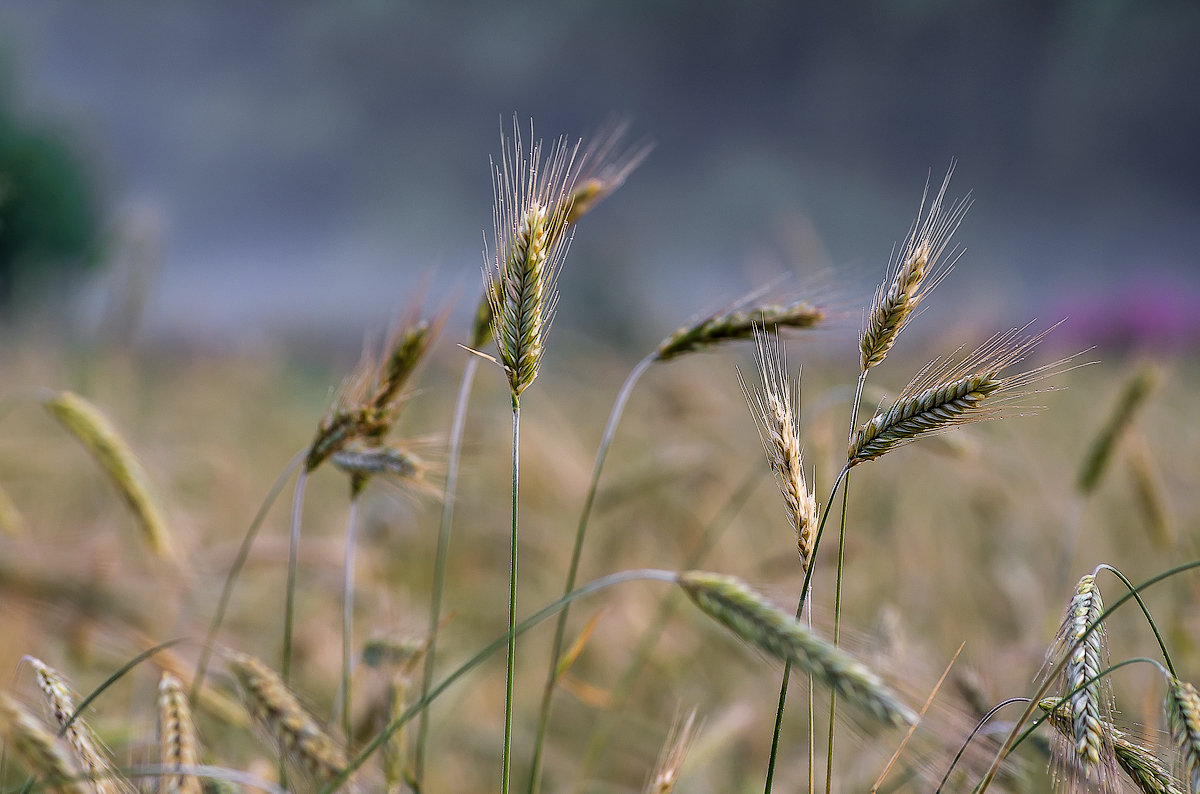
<point x="280" y="713"/>
<point x="1183" y="717"/>
<point x="776" y="411"/>
<point x="947" y="393"/>
<point x="912" y="275"/>
<point x="748" y="615"/>
<point x="92" y="428"/>
<point x="737" y="323"/>
<point x="38" y="750"/>
<point x="178" y="748"/>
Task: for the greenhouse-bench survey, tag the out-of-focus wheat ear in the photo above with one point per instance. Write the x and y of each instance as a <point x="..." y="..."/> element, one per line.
<point x="522" y="271"/>
<point x="178" y="747"/>
<point x="342" y="426"/>
<point x="285" y="720"/>
<point x="604" y="164"/>
<point x="39" y="750"/>
<point x="922" y="262"/>
<point x="776" y="409"/>
<point x="1085" y="658"/>
<point x="752" y="618"/>
<point x="682" y="735"/>
<point x="1134" y="394"/>
<point x="406" y="348"/>
<point x="947" y="393"/>
<point x="738" y="323"/>
<point x="12" y="523"/>
<point x="1183" y="718"/>
<point x="1140" y="763"/>
<point x="85" y="744"/>
<point x="93" y="429"/>
<point x="362" y="460"/>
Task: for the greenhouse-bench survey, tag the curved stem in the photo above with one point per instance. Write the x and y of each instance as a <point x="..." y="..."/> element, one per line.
<point x="289" y="607"/>
<point x="837" y="629"/>
<point x="610" y="430"/>
<point x="443" y="545"/>
<point x="512" y="602"/>
<point x="978" y="727"/>
<point x="1162" y="645"/>
<point x="1053" y="674"/>
<point x="653" y="574"/>
<point x="348" y="616"/>
<point x="235" y="571"/>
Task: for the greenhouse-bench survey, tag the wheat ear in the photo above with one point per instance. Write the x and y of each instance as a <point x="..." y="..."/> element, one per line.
<point x="947" y="393"/>
<point x="737" y="323"/>
<point x="776" y="410"/>
<point x="38" y="749"/>
<point x="106" y="446"/>
<point x="1134" y="394"/>
<point x="912" y="275"/>
<point x="280" y="713"/>
<point x="1084" y="661"/>
<point x="1183" y="717"/>
<point x="1142" y="766"/>
<point x="78" y="733"/>
<point x="178" y="747"/>
<point x="752" y="618"/>
<point x="679" y="741"/>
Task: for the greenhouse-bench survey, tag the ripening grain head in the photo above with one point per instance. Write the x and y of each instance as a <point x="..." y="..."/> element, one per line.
<point x="737" y="323"/>
<point x="37" y="749"/>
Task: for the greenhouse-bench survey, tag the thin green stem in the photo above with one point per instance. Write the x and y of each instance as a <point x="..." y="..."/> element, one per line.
<point x="364" y="755"/>
<point x="235" y="571"/>
<point x="443" y="545"/>
<point x="787" y="667"/>
<point x="512" y="602"/>
<point x="289" y="608"/>
<point x="348" y="616"/>
<point x="1053" y="674"/>
<point x="610" y="430"/>
<point x="837" y="630"/>
<point x="1162" y="645"/>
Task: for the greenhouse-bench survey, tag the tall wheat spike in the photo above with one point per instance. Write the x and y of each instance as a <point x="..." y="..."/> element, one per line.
<point x="947" y="393"/>
<point x="922" y="263"/>
<point x="92" y="428"/>
<point x="776" y="410"/>
<point x="752" y="618"/>
<point x="178" y="747"/>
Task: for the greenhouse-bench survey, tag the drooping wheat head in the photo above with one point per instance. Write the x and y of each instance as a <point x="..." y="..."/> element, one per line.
<point x="177" y="743"/>
<point x="679" y="741"/>
<point x="531" y="200"/>
<point x="285" y="720"/>
<point x="755" y="620"/>
<point x="776" y="410"/>
<point x="39" y="750"/>
<point x="737" y="323"/>
<point x="922" y="262"/>
<point x="92" y="428"/>
<point x="1139" y="763"/>
<point x="1183" y="718"/>
<point x="947" y="393"/>
<point x="79" y="735"/>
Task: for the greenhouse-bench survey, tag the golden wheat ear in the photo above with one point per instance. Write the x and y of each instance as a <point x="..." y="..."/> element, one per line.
<point x="38" y="750"/>
<point x="178" y="747"/>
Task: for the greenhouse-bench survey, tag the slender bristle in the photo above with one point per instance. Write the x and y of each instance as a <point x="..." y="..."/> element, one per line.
<point x="178" y="747"/>
<point x="776" y="411"/>
<point x="1183" y="717"/>
<point x="946" y="394"/>
<point x="911" y="276"/>
<point x="38" y="750"/>
<point x="748" y="615"/>
<point x="280" y="713"/>
<point x="738" y="323"/>
<point x="531" y="196"/>
<point x="106" y="446"/>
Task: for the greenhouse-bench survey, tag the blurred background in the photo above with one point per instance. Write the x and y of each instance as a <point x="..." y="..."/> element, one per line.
<point x="225" y="173"/>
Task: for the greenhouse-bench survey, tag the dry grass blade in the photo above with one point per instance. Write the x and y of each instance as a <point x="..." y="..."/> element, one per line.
<point x="748" y="615"/>
<point x="79" y="735"/>
<point x="946" y="394"/>
<point x="912" y="275"/>
<point x="531" y="202"/>
<point x="178" y="748"/>
<point x="1183" y="718"/>
<point x="1137" y="389"/>
<point x="38" y="750"/>
<point x="280" y="713"/>
<point x="93" y="429"/>
<point x="776" y="410"/>
<point x="1139" y="763"/>
<point x="682" y="735"/>
<point x="738" y="323"/>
